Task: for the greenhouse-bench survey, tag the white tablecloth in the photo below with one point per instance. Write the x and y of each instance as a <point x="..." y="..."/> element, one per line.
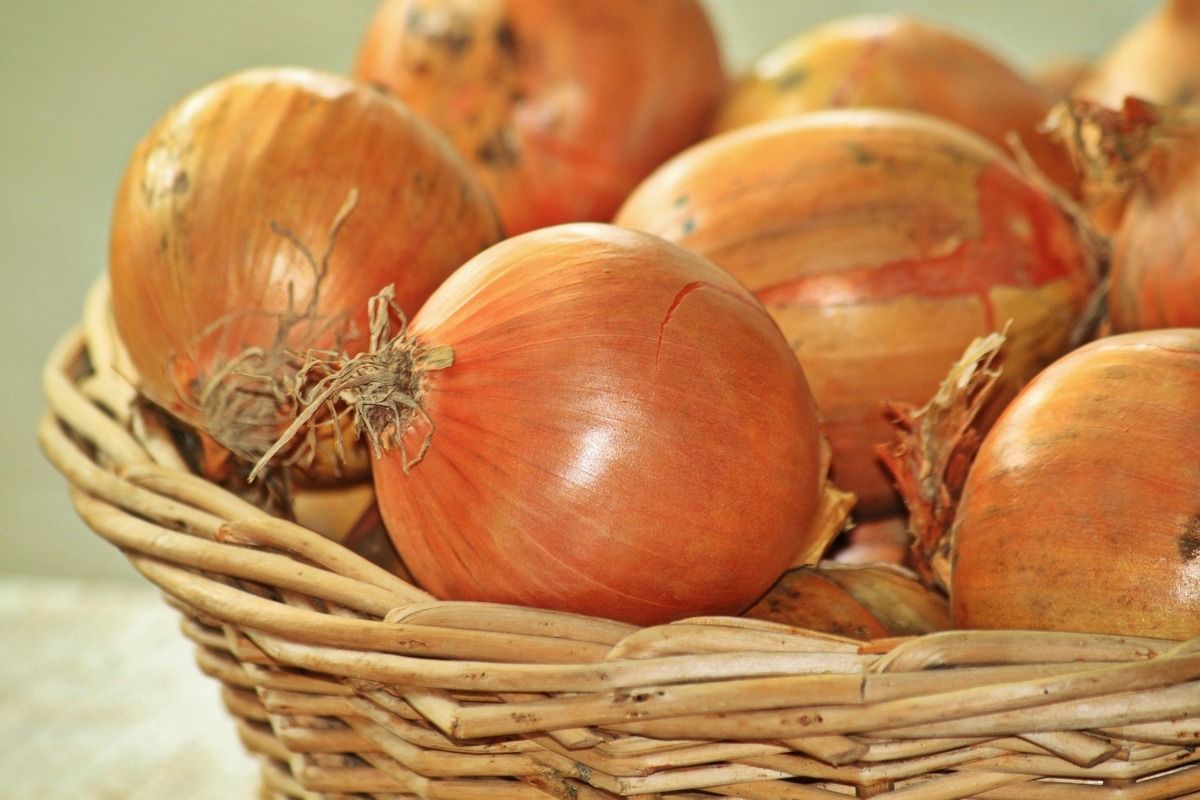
<point x="100" y="699"/>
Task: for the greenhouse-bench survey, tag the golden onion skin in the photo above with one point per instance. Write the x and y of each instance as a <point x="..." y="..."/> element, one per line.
<point x="1081" y="511"/>
<point x="212" y="218"/>
<point x="882" y="242"/>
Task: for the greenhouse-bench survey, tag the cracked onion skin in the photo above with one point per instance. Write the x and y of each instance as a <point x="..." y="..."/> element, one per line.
<point x="201" y="270"/>
<point x="1081" y="511"/>
<point x="882" y="242"/>
<point x="623" y="433"/>
<point x="560" y="106"/>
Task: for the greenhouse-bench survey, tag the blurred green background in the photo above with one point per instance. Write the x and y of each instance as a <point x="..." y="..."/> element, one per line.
<point x="80" y="82"/>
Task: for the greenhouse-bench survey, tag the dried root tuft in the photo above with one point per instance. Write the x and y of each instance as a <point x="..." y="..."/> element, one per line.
<point x="383" y="386"/>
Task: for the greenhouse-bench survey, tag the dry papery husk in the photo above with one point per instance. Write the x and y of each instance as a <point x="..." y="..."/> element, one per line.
<point x="858" y="601"/>
<point x="335" y="510"/>
<point x="170" y="440"/>
<point x="882" y="241"/>
<point x="932" y="452"/>
<point x="249" y="399"/>
<point x="1112" y="148"/>
<point x="245" y="401"/>
<point x="1142" y="164"/>
<point x="382" y="385"/>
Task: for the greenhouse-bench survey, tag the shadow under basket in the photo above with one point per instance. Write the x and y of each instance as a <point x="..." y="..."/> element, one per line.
<point x="345" y="681"/>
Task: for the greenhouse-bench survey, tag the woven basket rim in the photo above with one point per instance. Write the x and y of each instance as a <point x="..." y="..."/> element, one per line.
<point x="745" y="706"/>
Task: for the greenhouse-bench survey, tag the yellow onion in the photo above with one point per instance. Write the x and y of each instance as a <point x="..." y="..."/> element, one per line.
<point x="890" y="60"/>
<point x="1142" y="187"/>
<point x="1157" y="60"/>
<point x="859" y="601"/>
<point x="882" y="242"/>
<point x="560" y="106"/>
<point x="254" y="222"/>
<point x="593" y="419"/>
<point x="1080" y="509"/>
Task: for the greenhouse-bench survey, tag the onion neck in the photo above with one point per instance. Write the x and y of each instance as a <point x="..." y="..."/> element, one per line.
<point x="386" y="389"/>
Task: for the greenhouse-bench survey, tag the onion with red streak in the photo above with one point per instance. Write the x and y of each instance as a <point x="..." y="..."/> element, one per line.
<point x="1081" y="510"/>
<point x="882" y="242"/>
<point x="561" y="106"/>
<point x="254" y="222"/>
<point x="595" y="420"/>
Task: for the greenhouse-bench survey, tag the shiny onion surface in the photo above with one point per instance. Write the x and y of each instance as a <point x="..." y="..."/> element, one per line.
<point x="1081" y="511"/>
<point x="883" y="242"/>
<point x="596" y="420"/>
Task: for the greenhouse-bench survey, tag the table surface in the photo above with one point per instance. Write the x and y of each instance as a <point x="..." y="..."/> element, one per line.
<point x="100" y="699"/>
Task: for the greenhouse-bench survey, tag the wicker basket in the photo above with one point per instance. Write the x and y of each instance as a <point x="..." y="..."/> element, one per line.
<point x="346" y="681"/>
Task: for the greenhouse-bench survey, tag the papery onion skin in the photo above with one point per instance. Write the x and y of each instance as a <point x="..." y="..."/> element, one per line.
<point x="807" y="599"/>
<point x="859" y="601"/>
<point x="561" y="106"/>
<point x="882" y="242"/>
<point x="1141" y="189"/>
<point x="623" y="433"/>
<point x="200" y="266"/>
<point x="893" y="60"/>
<point x="1081" y="511"/>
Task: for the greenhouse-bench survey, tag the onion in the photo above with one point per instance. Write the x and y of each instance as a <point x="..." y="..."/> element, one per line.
<point x="890" y="60"/>
<point x="1157" y="60"/>
<point x="560" y="106"/>
<point x="369" y="539"/>
<point x="591" y="419"/>
<point x="882" y="242"/>
<point x="1142" y="187"/>
<point x="254" y="221"/>
<point x="858" y="601"/>
<point x="1080" y="510"/>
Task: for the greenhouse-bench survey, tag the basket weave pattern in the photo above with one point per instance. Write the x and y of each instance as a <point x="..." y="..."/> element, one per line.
<point x="346" y="681"/>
